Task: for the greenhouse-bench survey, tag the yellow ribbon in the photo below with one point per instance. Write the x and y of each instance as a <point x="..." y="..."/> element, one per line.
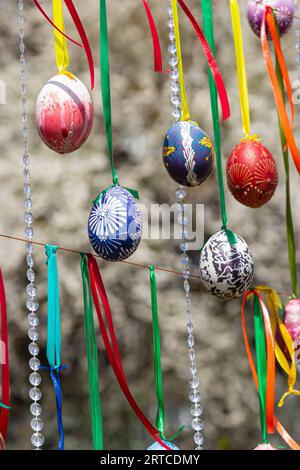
<point x="274" y="304"/>
<point x="240" y="65"/>
<point x="61" y="48"/>
<point x="185" y="115"/>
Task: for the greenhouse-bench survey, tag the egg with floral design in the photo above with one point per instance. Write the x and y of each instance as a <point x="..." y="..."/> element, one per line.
<point x="265" y="447"/>
<point x="251" y="172"/>
<point x="188" y="154"/>
<point x="157" y="446"/>
<point x="115" y="224"/>
<point x="284" y="11"/>
<point x="64" y="113"/>
<point x="226" y="269"/>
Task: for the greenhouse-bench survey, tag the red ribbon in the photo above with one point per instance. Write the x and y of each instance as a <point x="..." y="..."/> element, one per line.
<point x="54" y="26"/>
<point x="111" y="344"/>
<point x="4" y="413"/>
<point x="158" y="63"/>
<point x="211" y="62"/>
<point x="84" y="38"/>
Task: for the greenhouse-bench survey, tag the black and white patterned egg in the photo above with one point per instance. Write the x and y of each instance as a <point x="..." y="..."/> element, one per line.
<point x="226" y="270"/>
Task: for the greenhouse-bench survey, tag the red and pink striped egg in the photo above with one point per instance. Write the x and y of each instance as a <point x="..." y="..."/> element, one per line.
<point x="64" y="113"/>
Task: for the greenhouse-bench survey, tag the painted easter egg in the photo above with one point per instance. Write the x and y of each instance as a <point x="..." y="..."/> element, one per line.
<point x="188" y="154"/>
<point x="265" y="447"/>
<point x="115" y="224"/>
<point x="64" y="113"/>
<point x="252" y="175"/>
<point x="283" y="9"/>
<point x="158" y="446"/>
<point x="292" y="318"/>
<point x="226" y="270"/>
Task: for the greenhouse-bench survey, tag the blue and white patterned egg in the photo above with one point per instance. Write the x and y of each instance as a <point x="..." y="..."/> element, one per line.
<point x="226" y="270"/>
<point x="157" y="446"/>
<point x="188" y="154"/>
<point x="115" y="224"/>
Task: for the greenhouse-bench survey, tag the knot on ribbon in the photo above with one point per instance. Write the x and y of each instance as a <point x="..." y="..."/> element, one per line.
<point x="291" y="391"/>
<point x="50" y="251"/>
<point x="230" y="235"/>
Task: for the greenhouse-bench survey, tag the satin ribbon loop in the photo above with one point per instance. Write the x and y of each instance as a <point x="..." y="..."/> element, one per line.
<point x="61" y="48"/>
<point x="158" y="62"/>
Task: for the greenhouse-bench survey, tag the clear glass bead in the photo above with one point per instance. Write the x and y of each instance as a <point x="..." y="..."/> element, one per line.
<point x="28" y="217"/>
<point x="170" y="24"/>
<point x="37" y="424"/>
<point x="29" y="247"/>
<point x="37" y="439"/>
<point x="184" y="246"/>
<point x="35" y="409"/>
<point x="181" y="193"/>
<point x="189" y="328"/>
<point x="190" y="341"/>
<point x="196" y="410"/>
<point x="33" y="319"/>
<point x="197" y="424"/>
<point x="33" y="334"/>
<point x="171" y="36"/>
<point x="176" y="114"/>
<point x="198" y="448"/>
<point x="26" y="160"/>
<point x="35" y="394"/>
<point x="175" y="87"/>
<point x="34" y="363"/>
<point x="192" y="354"/>
<point x="27" y="189"/>
<point x="193" y="368"/>
<point x="33" y="349"/>
<point x="186" y="274"/>
<point x="195" y="396"/>
<point x="182" y="219"/>
<point x="186" y="286"/>
<point x="172" y="49"/>
<point x="185" y="260"/>
<point x="173" y="61"/>
<point x="31" y="290"/>
<point x="28" y="232"/>
<point x="29" y="260"/>
<point x="30" y="275"/>
<point x="35" y="379"/>
<point x="26" y="174"/>
<point x="174" y="75"/>
<point x="198" y="438"/>
<point x="32" y="305"/>
<point x="194" y="382"/>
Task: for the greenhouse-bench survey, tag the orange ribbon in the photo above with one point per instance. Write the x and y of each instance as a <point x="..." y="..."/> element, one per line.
<point x="279" y="100"/>
<point x="271" y="419"/>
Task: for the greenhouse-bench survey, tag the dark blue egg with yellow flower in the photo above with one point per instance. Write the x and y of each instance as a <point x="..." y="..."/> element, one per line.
<point x="188" y="153"/>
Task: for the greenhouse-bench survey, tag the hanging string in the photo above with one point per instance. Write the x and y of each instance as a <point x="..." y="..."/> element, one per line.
<point x="111" y="345"/>
<point x="92" y="358"/>
<point x="5" y="371"/>
<point x="54" y="337"/>
<point x="61" y="48"/>
<point x="241" y="66"/>
<point x="208" y="27"/>
<point x="279" y="101"/>
<point x="271" y="420"/>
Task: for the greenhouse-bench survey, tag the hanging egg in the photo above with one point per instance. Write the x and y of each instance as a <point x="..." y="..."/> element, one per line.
<point x="292" y="319"/>
<point x="284" y="11"/>
<point x="64" y="113"/>
<point x="188" y="153"/>
<point x="158" y="446"/>
<point x="226" y="270"/>
<point x="265" y="447"/>
<point x="115" y="224"/>
<point x="252" y="175"/>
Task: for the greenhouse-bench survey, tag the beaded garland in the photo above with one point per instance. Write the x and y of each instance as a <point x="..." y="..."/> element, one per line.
<point x="226" y="270"/>
<point x="252" y="175"/>
<point x="115" y="224"/>
<point x="284" y="11"/>
<point x="64" y="113"/>
<point x="188" y="153"/>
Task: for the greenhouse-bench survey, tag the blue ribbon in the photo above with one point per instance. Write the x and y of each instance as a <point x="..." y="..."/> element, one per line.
<point x="54" y="337"/>
<point x="4" y="406"/>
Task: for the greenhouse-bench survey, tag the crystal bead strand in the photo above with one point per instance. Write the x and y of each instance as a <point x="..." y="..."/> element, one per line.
<point x="297" y="34"/>
<point x="37" y="438"/>
<point x="195" y="397"/>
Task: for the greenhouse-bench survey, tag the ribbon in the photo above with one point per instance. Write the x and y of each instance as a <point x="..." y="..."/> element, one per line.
<point x="158" y="63"/>
<point x="210" y="60"/>
<point x="54" y="25"/>
<point x="5" y="370"/>
<point x="54" y="336"/>
<point x="289" y="367"/>
<point x="208" y="28"/>
<point x="241" y="65"/>
<point x="111" y="345"/>
<point x="61" y="48"/>
<point x="278" y="97"/>
<point x="270" y="418"/>
<point x="92" y="358"/>
<point x="288" y="206"/>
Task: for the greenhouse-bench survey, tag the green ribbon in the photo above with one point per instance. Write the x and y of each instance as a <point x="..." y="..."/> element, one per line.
<point x="261" y="360"/>
<point x="92" y="358"/>
<point x="160" y="415"/>
<point x="288" y="207"/>
<point x="208" y="29"/>
<point x="105" y="86"/>
<point x="53" y="326"/>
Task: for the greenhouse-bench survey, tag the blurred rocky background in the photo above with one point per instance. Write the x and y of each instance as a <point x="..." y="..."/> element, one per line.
<point x="63" y="189"/>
